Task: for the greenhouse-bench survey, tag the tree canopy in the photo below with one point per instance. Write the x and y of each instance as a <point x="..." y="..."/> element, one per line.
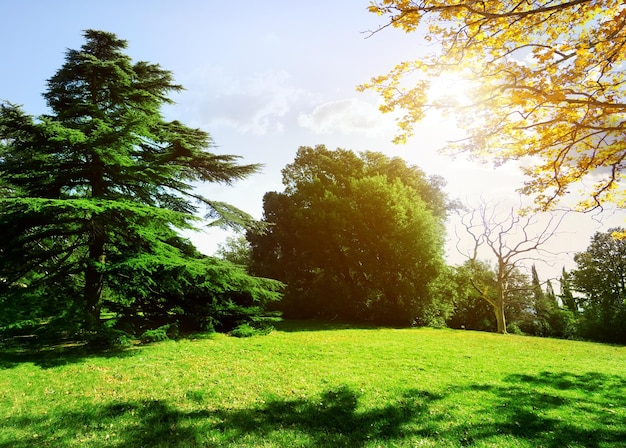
<point x="600" y="276"/>
<point x="95" y="192"/>
<point x="356" y="237"/>
<point x="547" y="86"/>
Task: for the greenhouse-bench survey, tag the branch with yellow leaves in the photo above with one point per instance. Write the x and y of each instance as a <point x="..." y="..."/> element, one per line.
<point x="548" y="86"/>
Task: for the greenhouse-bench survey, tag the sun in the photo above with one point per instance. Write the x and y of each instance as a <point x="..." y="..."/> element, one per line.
<point x="450" y="96"/>
<point x="451" y="89"/>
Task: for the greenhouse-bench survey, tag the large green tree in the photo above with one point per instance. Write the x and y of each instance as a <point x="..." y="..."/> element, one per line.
<point x="354" y="236"/>
<point x="95" y="192"/>
<point x="600" y="277"/>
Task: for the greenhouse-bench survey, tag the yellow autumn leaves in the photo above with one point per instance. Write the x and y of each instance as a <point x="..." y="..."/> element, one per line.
<point x="548" y="86"/>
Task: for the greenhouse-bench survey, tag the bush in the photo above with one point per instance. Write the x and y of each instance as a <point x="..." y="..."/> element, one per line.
<point x="246" y="331"/>
<point x="513" y="328"/>
<point x="564" y="324"/>
<point x="162" y="333"/>
<point x="109" y="338"/>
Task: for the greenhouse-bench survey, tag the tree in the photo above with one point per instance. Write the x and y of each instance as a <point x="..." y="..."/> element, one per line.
<point x="471" y="311"/>
<point x="546" y="310"/>
<point x="600" y="276"/>
<point x="561" y="320"/>
<point x="567" y="297"/>
<point x="547" y="86"/>
<point x="95" y="192"/>
<point x="474" y="280"/>
<point x="509" y="238"/>
<point x="355" y="237"/>
<point x="236" y="250"/>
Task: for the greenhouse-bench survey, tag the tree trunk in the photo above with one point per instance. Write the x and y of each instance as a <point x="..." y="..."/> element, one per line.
<point x="94" y="279"/>
<point x="500" y="319"/>
<point x="498" y="309"/>
<point x="501" y="288"/>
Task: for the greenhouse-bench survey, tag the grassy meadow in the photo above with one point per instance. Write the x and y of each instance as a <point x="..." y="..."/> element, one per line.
<point x="316" y="385"/>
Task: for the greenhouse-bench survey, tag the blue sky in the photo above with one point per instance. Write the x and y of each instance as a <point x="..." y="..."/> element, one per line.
<point x="263" y="78"/>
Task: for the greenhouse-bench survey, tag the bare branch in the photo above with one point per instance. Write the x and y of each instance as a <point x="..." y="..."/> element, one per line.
<point x="511" y="238"/>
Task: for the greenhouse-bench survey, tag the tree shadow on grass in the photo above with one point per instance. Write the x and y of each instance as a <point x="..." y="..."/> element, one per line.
<point x="294" y="326"/>
<point x="55" y="355"/>
<point x="551" y="409"/>
<point x="331" y="420"/>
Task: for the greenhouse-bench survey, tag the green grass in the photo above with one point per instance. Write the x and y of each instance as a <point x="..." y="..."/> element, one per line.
<point x="320" y="386"/>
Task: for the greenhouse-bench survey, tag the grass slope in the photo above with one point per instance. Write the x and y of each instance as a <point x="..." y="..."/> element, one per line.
<point x="320" y="386"/>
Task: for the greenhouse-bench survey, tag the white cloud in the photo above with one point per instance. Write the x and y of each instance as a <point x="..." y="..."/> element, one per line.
<point x="257" y="104"/>
<point x="347" y="116"/>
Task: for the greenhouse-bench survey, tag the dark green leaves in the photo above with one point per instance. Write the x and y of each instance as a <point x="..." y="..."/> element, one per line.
<point x="94" y="193"/>
<point x="359" y="237"/>
<point x="600" y="277"/>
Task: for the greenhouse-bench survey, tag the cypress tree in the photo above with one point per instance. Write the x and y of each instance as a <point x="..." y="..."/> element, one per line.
<point x="567" y="297"/>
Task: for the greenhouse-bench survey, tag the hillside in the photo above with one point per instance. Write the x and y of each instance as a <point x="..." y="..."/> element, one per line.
<point x="321" y="385"/>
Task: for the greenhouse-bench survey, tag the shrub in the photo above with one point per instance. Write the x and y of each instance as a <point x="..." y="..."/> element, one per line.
<point x="564" y="324"/>
<point x="162" y="333"/>
<point x="246" y="331"/>
<point x="109" y="338"/>
<point x="513" y="328"/>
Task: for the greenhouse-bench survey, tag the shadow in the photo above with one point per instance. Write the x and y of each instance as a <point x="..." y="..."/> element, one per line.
<point x="293" y="326"/>
<point x="551" y="410"/>
<point x="331" y="420"/>
<point x="50" y="356"/>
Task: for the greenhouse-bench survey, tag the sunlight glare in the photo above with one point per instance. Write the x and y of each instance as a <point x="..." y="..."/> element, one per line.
<point x="451" y="89"/>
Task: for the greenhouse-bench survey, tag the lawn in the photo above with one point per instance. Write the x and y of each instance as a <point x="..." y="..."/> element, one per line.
<point x="319" y="385"/>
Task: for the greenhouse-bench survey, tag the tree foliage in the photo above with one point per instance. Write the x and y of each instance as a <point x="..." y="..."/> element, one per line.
<point x="600" y="277"/>
<point x="547" y="86"/>
<point x="566" y="296"/>
<point x="471" y="311"/>
<point x="547" y="317"/>
<point x="95" y="192"/>
<point x="356" y="237"/>
<point x="235" y="249"/>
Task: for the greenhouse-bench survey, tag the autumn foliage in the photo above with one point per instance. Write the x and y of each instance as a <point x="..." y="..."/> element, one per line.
<point x="548" y="87"/>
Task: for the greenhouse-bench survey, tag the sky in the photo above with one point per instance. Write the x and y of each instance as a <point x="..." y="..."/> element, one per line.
<point x="264" y="78"/>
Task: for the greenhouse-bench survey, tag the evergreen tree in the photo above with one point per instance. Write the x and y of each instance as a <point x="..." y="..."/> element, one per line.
<point x="95" y="192"/>
<point x="567" y="297"/>
<point x="542" y="308"/>
<point x="561" y="319"/>
<point x="550" y="294"/>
